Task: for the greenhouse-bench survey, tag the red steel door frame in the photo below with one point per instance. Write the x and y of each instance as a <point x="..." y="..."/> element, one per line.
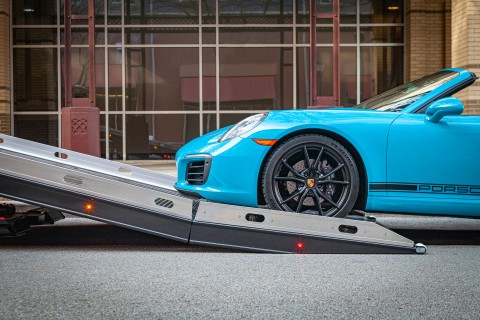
<point x="316" y="100"/>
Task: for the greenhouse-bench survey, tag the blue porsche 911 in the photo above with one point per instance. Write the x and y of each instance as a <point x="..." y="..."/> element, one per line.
<point x="408" y="150"/>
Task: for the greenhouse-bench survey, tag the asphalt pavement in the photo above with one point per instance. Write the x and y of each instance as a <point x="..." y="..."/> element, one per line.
<point x="153" y="282"/>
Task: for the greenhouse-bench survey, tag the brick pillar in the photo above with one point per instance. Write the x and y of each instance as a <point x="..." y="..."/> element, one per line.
<point x="5" y="66"/>
<point x="466" y="48"/>
<point x="428" y="29"/>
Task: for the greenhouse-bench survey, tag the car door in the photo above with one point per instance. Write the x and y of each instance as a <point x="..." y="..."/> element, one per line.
<point x="434" y="168"/>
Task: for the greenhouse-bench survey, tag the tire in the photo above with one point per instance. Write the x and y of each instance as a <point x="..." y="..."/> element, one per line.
<point x="326" y="185"/>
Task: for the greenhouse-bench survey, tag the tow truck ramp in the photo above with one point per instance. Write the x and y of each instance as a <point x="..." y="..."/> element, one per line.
<point x="146" y="201"/>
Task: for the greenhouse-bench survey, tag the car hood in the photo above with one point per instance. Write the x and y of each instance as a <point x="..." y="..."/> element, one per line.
<point x="313" y="114"/>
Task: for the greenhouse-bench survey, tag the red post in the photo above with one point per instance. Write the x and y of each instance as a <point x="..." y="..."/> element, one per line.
<point x="68" y="54"/>
<point x="336" y="52"/>
<point x="315" y="100"/>
<point x="313" y="53"/>
<point x="80" y="117"/>
<point x="91" y="50"/>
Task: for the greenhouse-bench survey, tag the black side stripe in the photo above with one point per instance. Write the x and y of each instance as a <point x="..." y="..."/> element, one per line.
<point x="393" y="187"/>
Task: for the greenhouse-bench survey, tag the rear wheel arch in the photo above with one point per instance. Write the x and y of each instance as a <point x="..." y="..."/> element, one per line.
<point x="360" y="204"/>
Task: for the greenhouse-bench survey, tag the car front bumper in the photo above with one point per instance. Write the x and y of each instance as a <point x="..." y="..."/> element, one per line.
<point x="233" y="169"/>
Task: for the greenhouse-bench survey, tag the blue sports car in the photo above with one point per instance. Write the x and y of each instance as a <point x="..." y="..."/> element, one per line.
<point x="408" y="150"/>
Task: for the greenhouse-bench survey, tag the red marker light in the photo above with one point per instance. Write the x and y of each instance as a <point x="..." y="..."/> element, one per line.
<point x="299" y="245"/>
<point x="2" y="218"/>
<point x="88" y="207"/>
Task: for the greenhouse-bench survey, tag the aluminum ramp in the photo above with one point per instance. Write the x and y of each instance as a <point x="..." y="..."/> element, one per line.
<point x="146" y="201"/>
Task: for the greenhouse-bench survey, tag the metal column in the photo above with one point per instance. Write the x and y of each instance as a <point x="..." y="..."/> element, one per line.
<point x="80" y="117"/>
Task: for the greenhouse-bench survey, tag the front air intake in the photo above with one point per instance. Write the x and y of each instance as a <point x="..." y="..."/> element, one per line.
<point x="197" y="171"/>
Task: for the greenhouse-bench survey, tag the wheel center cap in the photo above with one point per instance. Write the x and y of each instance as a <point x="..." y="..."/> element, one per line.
<point x="310" y="182"/>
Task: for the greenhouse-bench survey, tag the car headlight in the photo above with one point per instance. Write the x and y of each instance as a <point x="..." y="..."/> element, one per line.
<point x="243" y="126"/>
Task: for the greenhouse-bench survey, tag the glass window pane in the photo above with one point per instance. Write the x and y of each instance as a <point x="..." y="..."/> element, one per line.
<point x="103" y="144"/>
<point x="161" y="78"/>
<point x="115" y="136"/>
<point x="348" y="35"/>
<point x="380" y="11"/>
<point x="303" y="11"/>
<point x="209" y="8"/>
<point x="348" y="11"/>
<point x="255" y="12"/>
<point x="381" y="34"/>
<point x="114" y="36"/>
<point x="99" y="11"/>
<point x="34" y="12"/>
<point x="381" y="70"/>
<point x="324" y="71"/>
<point x="114" y="8"/>
<point x="209" y="80"/>
<point x="38" y="128"/>
<point x="209" y="122"/>
<point x="35" y="79"/>
<point x="256" y="36"/>
<point x="137" y="136"/>
<point x="256" y="78"/>
<point x="324" y="35"/>
<point x="115" y="94"/>
<point x="35" y="36"/>
<point x="100" y="91"/>
<point x="159" y="136"/>
<point x="348" y="76"/>
<point x="161" y="11"/>
<point x="303" y="77"/>
<point x="208" y="36"/>
<point x="303" y="35"/>
<point x="161" y="35"/>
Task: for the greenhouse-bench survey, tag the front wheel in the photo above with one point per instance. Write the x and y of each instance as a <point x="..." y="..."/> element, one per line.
<point x="311" y="174"/>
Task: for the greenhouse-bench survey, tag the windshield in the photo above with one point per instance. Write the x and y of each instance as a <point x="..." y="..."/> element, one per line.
<point x="400" y="97"/>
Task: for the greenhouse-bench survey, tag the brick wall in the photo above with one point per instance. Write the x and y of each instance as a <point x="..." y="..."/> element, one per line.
<point x="428" y="37"/>
<point x="5" y="66"/>
<point x="466" y="48"/>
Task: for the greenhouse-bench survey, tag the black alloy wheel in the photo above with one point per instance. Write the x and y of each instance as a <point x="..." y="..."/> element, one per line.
<point x="311" y="174"/>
